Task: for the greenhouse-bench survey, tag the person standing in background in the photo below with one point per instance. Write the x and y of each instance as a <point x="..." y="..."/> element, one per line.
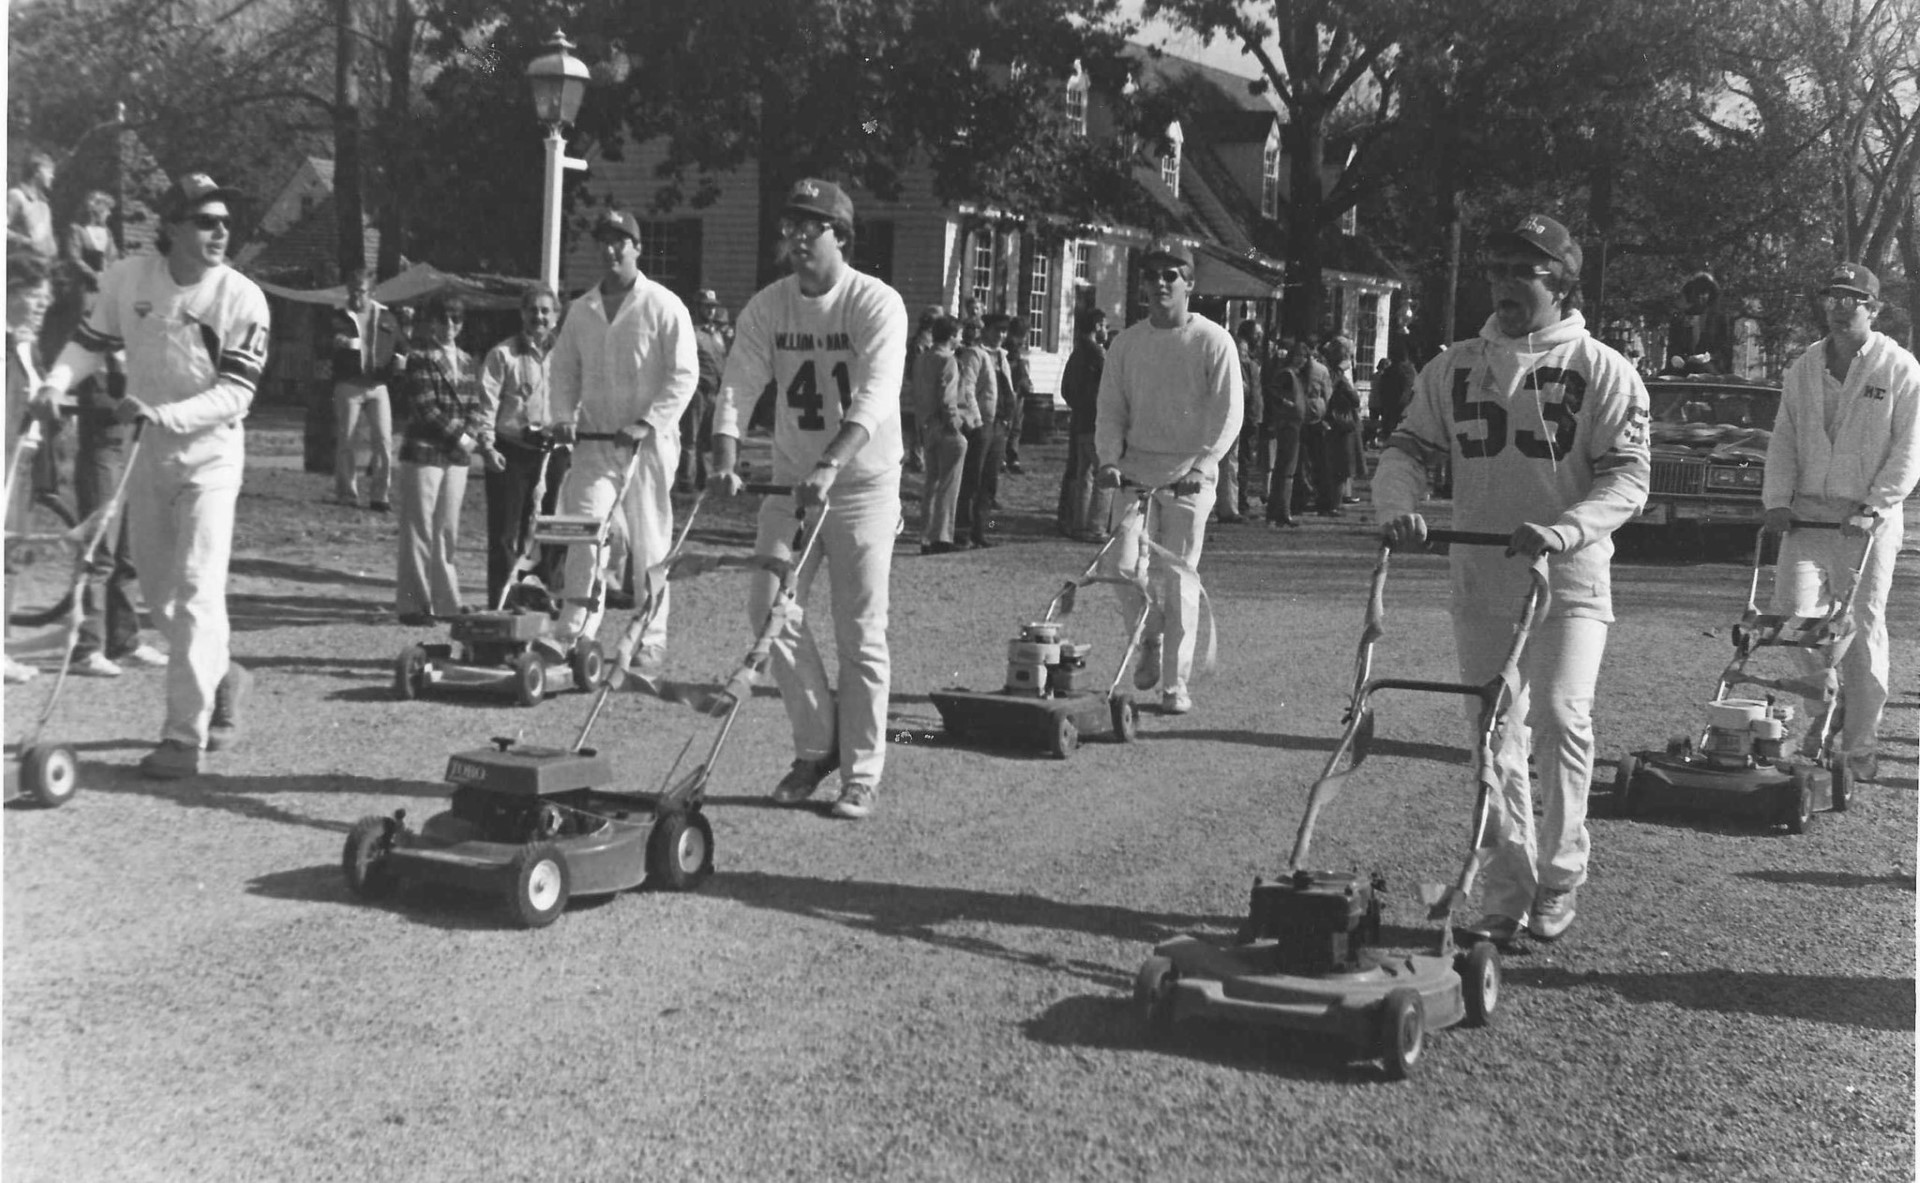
<point x="441" y="392"/>
<point x="29" y="214"/>
<point x="945" y="407"/>
<point x="696" y="423"/>
<point x="1014" y="348"/>
<point x="368" y="350"/>
<point x="514" y="415"/>
<point x="1084" y="506"/>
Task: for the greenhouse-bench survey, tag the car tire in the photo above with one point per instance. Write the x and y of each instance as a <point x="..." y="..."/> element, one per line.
<point x="542" y="884"/>
<point x="680" y="851"/>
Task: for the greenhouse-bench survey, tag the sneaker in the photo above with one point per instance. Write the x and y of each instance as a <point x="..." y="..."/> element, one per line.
<point x="1865" y="766"/>
<point x="97" y="665"/>
<point x="171" y="760"/>
<point x="1499" y="929"/>
<point x="229" y="699"/>
<point x="803" y="778"/>
<point x="1175" y="702"/>
<point x="856" y="801"/>
<point x="18" y="672"/>
<point x="1552" y="912"/>
<point x="142" y="654"/>
<point x="1146" y="673"/>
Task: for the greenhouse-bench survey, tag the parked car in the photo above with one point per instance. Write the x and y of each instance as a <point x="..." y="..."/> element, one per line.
<point x="1710" y="436"/>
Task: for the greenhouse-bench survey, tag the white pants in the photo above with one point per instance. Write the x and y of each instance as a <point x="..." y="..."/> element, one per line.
<point x="1180" y="526"/>
<point x="180" y="502"/>
<point x="351" y="400"/>
<point x="1814" y="564"/>
<point x="1553" y="714"/>
<point x="429" y="498"/>
<point x="647" y="515"/>
<point x="856" y="542"/>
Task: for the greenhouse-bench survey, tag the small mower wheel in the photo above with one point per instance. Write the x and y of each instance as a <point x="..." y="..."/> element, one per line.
<point x="1479" y="969"/>
<point x="1153" y="991"/>
<point x="1126" y="717"/>
<point x="1066" y="737"/>
<point x="588" y="663"/>
<point x="1626" y="800"/>
<point x="410" y="672"/>
<point x="541" y="886"/>
<point x="680" y="852"/>
<point x="49" y="776"/>
<point x="369" y="876"/>
<point x="1798" y="814"/>
<point x="1842" y="786"/>
<point x="529" y="678"/>
<point x="1402" y="1032"/>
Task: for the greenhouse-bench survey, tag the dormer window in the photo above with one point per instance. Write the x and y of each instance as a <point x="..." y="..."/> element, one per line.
<point x="1077" y="100"/>
<point x="1170" y="163"/>
<point x="1270" y="175"/>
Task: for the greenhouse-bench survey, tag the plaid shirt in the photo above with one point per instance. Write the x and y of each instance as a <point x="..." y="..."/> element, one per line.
<point x="440" y="391"/>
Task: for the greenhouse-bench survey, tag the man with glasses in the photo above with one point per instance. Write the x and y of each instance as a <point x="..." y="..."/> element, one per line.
<point x="514" y="412"/>
<point x="833" y="341"/>
<point x="1846" y="449"/>
<point x="1170" y="405"/>
<point x="368" y="350"/>
<point x="195" y="333"/>
<point x="1547" y="431"/>
<point x="626" y="363"/>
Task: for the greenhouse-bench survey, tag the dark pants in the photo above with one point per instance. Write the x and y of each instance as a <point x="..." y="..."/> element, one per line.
<point x="1011" y="430"/>
<point x="509" y="519"/>
<point x="696" y="441"/>
<point x="1317" y="480"/>
<point x="110" y="623"/>
<point x="1283" y="446"/>
<point x="980" y="480"/>
<point x="1253" y="465"/>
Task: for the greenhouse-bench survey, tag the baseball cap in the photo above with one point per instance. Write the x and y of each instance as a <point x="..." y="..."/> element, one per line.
<point x="616" y="221"/>
<point x="1170" y="249"/>
<point x="706" y="296"/>
<point x="191" y="192"/>
<point x="1540" y="233"/>
<point x="823" y="199"/>
<point x="1852" y="277"/>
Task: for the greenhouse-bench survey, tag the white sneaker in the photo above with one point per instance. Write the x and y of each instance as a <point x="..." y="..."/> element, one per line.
<point x="1176" y="702"/>
<point x="1865" y="766"/>
<point x="97" y="665"/>
<point x="1552" y="912"/>
<point x="18" y="672"/>
<point x="143" y="654"/>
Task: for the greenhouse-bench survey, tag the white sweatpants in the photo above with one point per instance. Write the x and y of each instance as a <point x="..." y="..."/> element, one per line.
<point x="856" y="542"/>
<point x="1815" y="564"/>
<point x="429" y="497"/>
<point x="1554" y="712"/>
<point x="180" y="503"/>
<point x="1180" y="526"/>
<point x="591" y="486"/>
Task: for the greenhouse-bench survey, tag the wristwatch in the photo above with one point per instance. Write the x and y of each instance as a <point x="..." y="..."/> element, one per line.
<point x="824" y="462"/>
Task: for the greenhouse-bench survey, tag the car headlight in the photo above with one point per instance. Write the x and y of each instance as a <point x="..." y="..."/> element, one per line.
<point x="1748" y="476"/>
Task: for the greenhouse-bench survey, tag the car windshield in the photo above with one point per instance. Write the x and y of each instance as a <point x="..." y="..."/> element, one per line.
<point x="1715" y="406"/>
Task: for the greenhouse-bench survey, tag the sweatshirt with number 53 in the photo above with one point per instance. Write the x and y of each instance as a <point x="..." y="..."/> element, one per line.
<point x="1551" y="429"/>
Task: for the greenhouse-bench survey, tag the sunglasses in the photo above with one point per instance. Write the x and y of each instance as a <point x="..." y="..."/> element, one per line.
<point x="1844" y="299"/>
<point x="210" y="222"/>
<point x="803" y="228"/>
<point x="1521" y="271"/>
<point x="1166" y="275"/>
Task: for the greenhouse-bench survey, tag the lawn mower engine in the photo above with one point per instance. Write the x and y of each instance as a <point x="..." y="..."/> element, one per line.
<point x="1319" y="920"/>
<point x="497" y="817"/>
<point x="1742" y="732"/>
<point x="497" y="637"/>
<point x="1041" y="662"/>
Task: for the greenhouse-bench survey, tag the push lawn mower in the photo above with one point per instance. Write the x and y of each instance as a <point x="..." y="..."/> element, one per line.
<point x="49" y="773"/>
<point x="1049" y="700"/>
<point x="1306" y="955"/>
<point x="539" y="825"/>
<point x="512" y="646"/>
<point x="1743" y="762"/>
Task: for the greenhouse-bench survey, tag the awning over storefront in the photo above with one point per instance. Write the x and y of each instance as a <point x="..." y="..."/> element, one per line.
<point x="1222" y="276"/>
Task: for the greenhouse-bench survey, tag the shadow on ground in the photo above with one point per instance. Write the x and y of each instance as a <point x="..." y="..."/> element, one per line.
<point x="1877" y="1004"/>
<point x="240" y="796"/>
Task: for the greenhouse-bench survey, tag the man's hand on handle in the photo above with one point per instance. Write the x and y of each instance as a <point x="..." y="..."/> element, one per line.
<point x="1777" y="521"/>
<point x="1532" y="541"/>
<point x="1406" y="531"/>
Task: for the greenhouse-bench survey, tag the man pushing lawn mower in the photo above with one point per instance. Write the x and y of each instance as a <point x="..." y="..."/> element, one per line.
<point x="1547" y="432"/>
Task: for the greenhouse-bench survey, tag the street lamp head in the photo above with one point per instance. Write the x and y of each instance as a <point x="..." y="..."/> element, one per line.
<point x="558" y="80"/>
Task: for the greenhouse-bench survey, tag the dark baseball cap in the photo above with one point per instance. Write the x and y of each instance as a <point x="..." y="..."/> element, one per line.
<point x="1540" y="233"/>
<point x="616" y="221"/>
<point x="191" y="192"/>
<point x="706" y="296"/>
<point x="1852" y="277"/>
<point x="821" y="199"/>
<point x="1170" y="249"/>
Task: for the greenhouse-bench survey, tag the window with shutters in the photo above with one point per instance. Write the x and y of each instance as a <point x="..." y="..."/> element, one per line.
<point x="662" y="258"/>
<point x="1077" y="100"/>
<point x="1040" y="309"/>
<point x="980" y="268"/>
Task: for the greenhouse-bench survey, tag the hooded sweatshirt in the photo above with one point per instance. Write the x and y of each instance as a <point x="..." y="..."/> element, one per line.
<point x="1871" y="454"/>
<point x="1551" y="429"/>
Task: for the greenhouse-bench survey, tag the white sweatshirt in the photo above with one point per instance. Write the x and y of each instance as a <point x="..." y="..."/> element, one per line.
<point x="1872" y="456"/>
<point x="1550" y="429"/>
<point x="835" y="358"/>
<point x="1170" y="400"/>
<point x="641" y="368"/>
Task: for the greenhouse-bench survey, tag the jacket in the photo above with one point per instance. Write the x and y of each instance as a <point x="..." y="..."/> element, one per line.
<point x="1872" y="457"/>
<point x="370" y="362"/>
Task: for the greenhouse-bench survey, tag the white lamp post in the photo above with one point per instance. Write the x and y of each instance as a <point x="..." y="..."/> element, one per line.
<point x="558" y="80"/>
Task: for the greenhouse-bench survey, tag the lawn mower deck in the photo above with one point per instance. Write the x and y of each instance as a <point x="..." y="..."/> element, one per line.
<point x="1053" y="724"/>
<point x="500" y="651"/>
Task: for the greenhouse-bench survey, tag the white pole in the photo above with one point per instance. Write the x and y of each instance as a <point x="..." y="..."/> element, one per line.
<point x="550" y="211"/>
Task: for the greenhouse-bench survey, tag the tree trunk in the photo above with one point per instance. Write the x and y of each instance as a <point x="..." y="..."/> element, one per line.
<point x="1909" y="239"/>
<point x="1306" y="294"/>
<point x="347" y="204"/>
<point x="394" y="136"/>
<point x="776" y="172"/>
